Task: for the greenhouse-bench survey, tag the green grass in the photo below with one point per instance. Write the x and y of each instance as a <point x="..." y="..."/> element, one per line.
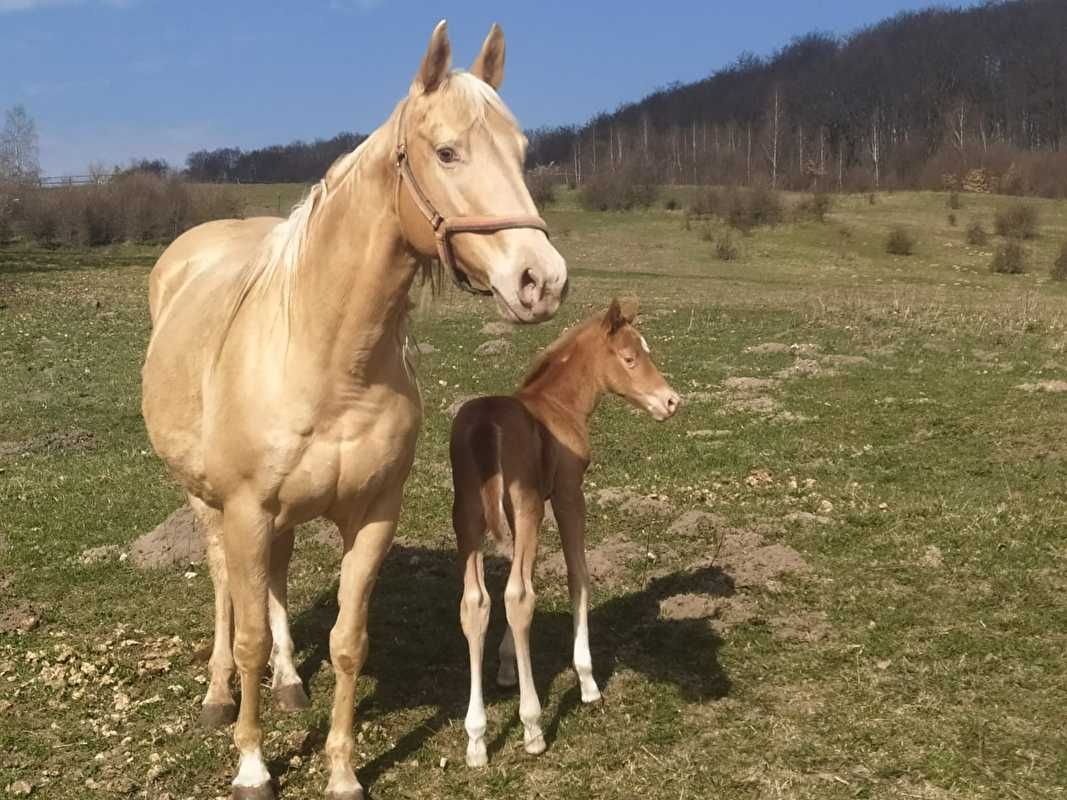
<point x="932" y="680"/>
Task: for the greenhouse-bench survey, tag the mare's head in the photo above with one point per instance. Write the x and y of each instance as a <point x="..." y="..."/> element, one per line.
<point x="466" y="152"/>
<point x="626" y="366"/>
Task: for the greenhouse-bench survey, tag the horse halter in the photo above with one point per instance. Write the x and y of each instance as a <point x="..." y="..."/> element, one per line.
<point x="446" y="227"/>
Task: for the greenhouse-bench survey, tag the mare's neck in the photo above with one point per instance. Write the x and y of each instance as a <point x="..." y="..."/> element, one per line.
<point x="351" y="294"/>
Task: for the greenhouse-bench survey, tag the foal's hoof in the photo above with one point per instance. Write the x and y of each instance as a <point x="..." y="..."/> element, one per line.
<point x="506" y="677"/>
<point x="262" y="792"/>
<point x="290" y="698"/>
<point x="351" y="794"/>
<point x="535" y="745"/>
<point x="218" y="715"/>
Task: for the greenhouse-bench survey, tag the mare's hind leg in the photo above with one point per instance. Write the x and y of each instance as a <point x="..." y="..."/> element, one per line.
<point x="469" y="524"/>
<point x="287" y="691"/>
<point x="519" y="600"/>
<point x="218" y="708"/>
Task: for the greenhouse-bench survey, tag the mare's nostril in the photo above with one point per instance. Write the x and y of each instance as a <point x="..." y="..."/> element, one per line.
<point x="529" y="288"/>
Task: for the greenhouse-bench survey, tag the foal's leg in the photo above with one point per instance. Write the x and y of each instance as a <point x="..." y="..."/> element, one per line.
<point x="364" y="550"/>
<point x="287" y="692"/>
<point x="247" y="531"/>
<point x="474" y="617"/>
<point x="506" y="677"/>
<point x="568" y="503"/>
<point x="218" y="708"/>
<point x="519" y="600"/>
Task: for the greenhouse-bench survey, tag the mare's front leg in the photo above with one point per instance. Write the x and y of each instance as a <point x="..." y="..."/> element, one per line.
<point x="568" y="503"/>
<point x="218" y="708"/>
<point x="519" y="601"/>
<point x="287" y="691"/>
<point x="247" y="530"/>
<point x="366" y="544"/>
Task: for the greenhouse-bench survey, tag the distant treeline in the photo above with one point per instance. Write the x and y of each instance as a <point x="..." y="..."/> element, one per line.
<point x="297" y="162"/>
<point x="973" y="98"/>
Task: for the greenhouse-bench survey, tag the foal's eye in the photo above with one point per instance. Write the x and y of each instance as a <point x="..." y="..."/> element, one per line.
<point x="629" y="360"/>
<point x="446" y="154"/>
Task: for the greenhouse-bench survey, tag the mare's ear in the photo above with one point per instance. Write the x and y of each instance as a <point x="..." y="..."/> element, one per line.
<point x="614" y="319"/>
<point x="437" y="61"/>
<point x="489" y="65"/>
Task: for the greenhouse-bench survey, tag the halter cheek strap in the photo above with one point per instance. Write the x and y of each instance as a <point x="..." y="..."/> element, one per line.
<point x="446" y="227"/>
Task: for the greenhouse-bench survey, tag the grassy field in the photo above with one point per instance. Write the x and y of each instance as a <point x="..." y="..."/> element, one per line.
<point x="870" y="604"/>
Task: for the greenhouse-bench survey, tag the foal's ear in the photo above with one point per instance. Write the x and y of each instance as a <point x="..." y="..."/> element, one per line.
<point x="614" y="318"/>
<point x="437" y="61"/>
<point x="629" y="307"/>
<point x="489" y="65"/>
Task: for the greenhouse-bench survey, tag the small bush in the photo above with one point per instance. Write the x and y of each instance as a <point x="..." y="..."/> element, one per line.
<point x="707" y="203"/>
<point x="1059" y="266"/>
<point x="976" y="234"/>
<point x="900" y="242"/>
<point x="872" y="199"/>
<point x="753" y="208"/>
<point x="671" y="204"/>
<point x="815" y="207"/>
<point x="1018" y="221"/>
<point x="1009" y="259"/>
<point x="706" y="234"/>
<point x="952" y="220"/>
<point x="8" y="207"/>
<point x="725" y="249"/>
<point x="953" y="201"/>
<point x="542" y="188"/>
<point x="618" y="191"/>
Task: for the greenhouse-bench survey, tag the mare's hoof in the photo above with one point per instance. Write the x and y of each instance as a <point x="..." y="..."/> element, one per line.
<point x="536" y="745"/>
<point x="351" y="794"/>
<point x="290" y="698"/>
<point x="218" y="715"/>
<point x="262" y="792"/>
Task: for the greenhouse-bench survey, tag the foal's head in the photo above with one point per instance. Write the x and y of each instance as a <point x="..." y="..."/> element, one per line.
<point x="468" y="152"/>
<point x="625" y="364"/>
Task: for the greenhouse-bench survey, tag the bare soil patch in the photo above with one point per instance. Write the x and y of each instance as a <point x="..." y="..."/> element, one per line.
<point x="18" y="618"/>
<point x="175" y="542"/>
<point x="804" y="368"/>
<point x="497" y="328"/>
<point x="52" y="443"/>
<point x="693" y="523"/>
<point x="1052" y="387"/>
<point x="608" y="562"/>
<point x="494" y="347"/>
<point x="631" y="502"/>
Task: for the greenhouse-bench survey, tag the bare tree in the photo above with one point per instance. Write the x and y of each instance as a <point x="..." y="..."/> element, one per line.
<point x="774" y="134"/>
<point x="18" y="146"/>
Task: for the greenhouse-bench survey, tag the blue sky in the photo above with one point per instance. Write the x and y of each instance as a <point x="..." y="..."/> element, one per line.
<point x="108" y="80"/>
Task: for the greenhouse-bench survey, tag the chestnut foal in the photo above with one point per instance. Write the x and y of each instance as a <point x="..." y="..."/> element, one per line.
<point x="510" y="455"/>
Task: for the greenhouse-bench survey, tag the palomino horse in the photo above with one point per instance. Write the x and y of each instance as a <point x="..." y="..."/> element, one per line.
<point x="511" y="454"/>
<point x="276" y="386"/>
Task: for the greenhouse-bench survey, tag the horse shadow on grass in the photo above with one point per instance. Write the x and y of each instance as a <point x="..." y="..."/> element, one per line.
<point x="418" y="654"/>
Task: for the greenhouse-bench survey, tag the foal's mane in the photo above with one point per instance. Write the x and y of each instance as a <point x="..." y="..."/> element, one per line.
<point x="559" y="351"/>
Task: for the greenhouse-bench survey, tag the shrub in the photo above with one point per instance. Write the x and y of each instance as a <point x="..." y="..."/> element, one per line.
<point x="707" y="203"/>
<point x="976" y="235"/>
<point x="872" y="199"/>
<point x="1059" y="266"/>
<point x="137" y="206"/>
<point x="618" y="191"/>
<point x="1009" y="259"/>
<point x="953" y="201"/>
<point x="1018" y="221"/>
<point x="750" y="209"/>
<point x="815" y="207"/>
<point x="671" y="204"/>
<point x="725" y="249"/>
<point x="900" y="242"/>
<point x="542" y="188"/>
<point x="706" y="234"/>
<point x="8" y="206"/>
<point x="952" y="220"/>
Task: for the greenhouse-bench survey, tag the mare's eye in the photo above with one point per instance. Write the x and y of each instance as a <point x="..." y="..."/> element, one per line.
<point x="446" y="154"/>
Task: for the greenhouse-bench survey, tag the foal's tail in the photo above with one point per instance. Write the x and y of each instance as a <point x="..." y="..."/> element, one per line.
<point x="485" y="444"/>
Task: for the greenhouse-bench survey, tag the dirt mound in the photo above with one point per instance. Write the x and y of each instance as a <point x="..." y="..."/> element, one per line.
<point x="776" y="348"/>
<point x="175" y="542"/>
<point x="724" y="613"/>
<point x="608" y="562"/>
<point x="708" y="434"/>
<point x="497" y="328"/>
<point x="425" y="348"/>
<point x="692" y="523"/>
<point x="55" y="442"/>
<point x="803" y="368"/>
<point x="18" y="618"/>
<point x="631" y="502"/>
<point x="745" y="385"/>
<point x="494" y="347"/>
<point x="1053" y="387"/>
<point x="805" y="627"/>
<point x="760" y="404"/>
<point x="838" y="360"/>
<point x="99" y="555"/>
<point x="807" y="518"/>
